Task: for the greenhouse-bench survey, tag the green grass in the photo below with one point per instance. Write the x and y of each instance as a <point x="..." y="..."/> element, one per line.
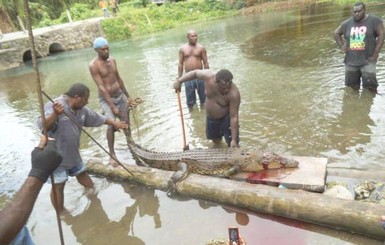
<point x="137" y="21"/>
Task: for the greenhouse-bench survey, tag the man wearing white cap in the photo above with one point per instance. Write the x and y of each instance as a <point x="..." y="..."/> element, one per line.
<point x="113" y="95"/>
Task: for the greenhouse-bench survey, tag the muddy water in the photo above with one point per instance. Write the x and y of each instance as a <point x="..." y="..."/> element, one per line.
<point x="290" y="75"/>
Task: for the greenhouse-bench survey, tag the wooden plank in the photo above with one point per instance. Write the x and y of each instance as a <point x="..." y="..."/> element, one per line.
<point x="349" y="215"/>
<point x="310" y="175"/>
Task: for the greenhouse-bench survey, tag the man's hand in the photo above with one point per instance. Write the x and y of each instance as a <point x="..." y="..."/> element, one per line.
<point x="344" y="48"/>
<point x="130" y="103"/>
<point x="234" y="144"/>
<point x="373" y="58"/>
<point x="45" y="159"/>
<point x="115" y="110"/>
<point x="177" y="86"/>
<point x="120" y="125"/>
<point x="58" y="108"/>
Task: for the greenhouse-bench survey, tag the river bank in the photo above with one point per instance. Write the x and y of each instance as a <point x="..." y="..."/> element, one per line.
<point x="275" y="6"/>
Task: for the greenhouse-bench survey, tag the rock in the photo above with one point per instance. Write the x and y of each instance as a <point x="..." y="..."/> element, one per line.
<point x="364" y="189"/>
<point x="339" y="191"/>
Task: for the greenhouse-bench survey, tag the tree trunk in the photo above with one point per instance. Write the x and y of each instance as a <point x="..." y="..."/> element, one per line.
<point x="352" y="216"/>
<point x="6" y="24"/>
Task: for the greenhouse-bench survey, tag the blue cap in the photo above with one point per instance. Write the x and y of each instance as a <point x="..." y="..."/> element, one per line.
<point x="100" y="42"/>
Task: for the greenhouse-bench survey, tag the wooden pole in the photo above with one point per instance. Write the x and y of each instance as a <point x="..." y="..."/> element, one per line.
<point x="185" y="145"/>
<point x="353" y="216"/>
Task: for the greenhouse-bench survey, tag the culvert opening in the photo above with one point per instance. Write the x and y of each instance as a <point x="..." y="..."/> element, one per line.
<point x="56" y="48"/>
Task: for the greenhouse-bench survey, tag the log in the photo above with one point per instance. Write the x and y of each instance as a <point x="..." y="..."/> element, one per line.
<point x="353" y="216"/>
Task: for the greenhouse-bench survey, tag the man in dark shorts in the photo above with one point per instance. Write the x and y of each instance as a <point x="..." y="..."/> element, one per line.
<point x="363" y="36"/>
<point x="222" y="104"/>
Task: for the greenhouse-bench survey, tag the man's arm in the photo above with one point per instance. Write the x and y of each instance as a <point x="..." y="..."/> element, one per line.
<point x="181" y="62"/>
<point x="338" y="38"/>
<point x="204" y="59"/>
<point x="379" y="42"/>
<point x="191" y="75"/>
<point x="58" y="109"/>
<point x="116" y="124"/>
<point x="120" y="81"/>
<point x="14" y="216"/>
<point x="54" y="113"/>
<point x="235" y="101"/>
<point x="94" y="70"/>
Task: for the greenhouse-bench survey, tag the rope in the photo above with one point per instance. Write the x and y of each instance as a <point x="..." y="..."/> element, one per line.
<point x="40" y="98"/>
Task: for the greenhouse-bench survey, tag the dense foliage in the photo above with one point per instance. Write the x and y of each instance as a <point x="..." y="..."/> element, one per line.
<point x="156" y="18"/>
<point x="134" y="16"/>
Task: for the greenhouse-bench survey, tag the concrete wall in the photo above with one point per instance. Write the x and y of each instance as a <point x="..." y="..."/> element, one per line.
<point x="15" y="48"/>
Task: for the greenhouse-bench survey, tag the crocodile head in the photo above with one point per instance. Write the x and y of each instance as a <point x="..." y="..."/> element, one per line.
<point x="271" y="160"/>
<point x="254" y="160"/>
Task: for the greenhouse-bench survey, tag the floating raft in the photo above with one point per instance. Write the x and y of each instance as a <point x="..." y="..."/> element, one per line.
<point x="353" y="216"/>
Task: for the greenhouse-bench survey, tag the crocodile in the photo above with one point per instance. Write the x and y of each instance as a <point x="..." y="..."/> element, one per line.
<point x="216" y="162"/>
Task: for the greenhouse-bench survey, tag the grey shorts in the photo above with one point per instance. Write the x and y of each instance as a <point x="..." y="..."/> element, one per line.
<point x="120" y="100"/>
<point x="353" y="75"/>
<point x="61" y="175"/>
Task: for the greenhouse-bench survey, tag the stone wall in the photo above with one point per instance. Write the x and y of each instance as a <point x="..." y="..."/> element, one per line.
<point x="15" y="48"/>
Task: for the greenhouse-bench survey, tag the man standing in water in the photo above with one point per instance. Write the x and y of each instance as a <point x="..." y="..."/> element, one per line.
<point x="364" y="37"/>
<point x="192" y="56"/>
<point x="64" y="119"/>
<point x="222" y="106"/>
<point x="113" y="96"/>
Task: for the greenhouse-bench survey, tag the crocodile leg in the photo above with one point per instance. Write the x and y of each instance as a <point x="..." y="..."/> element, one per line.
<point x="230" y="172"/>
<point x="178" y="176"/>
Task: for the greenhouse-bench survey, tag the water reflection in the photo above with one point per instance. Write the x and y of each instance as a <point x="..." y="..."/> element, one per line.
<point x="145" y="203"/>
<point x="353" y="125"/>
<point x="293" y="42"/>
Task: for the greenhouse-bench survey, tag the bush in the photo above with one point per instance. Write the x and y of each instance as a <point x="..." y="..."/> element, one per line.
<point x="116" y="28"/>
<point x="80" y="12"/>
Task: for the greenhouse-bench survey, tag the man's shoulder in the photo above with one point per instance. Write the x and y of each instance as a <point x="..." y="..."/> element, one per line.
<point x="94" y="62"/>
<point x="199" y="45"/>
<point x="375" y="18"/>
<point x="88" y="111"/>
<point x="184" y="46"/>
<point x="347" y="21"/>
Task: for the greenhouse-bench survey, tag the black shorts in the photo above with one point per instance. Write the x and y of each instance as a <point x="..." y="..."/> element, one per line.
<point x="353" y="75"/>
<point x="217" y="128"/>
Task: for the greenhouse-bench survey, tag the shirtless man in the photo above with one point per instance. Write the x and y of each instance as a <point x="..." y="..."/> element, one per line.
<point x="222" y="106"/>
<point x="192" y="56"/>
<point x="113" y="95"/>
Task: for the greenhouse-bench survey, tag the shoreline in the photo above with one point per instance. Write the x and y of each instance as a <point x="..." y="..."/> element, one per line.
<point x="275" y="6"/>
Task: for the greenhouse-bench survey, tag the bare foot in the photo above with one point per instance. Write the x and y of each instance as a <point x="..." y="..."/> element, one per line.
<point x="113" y="162"/>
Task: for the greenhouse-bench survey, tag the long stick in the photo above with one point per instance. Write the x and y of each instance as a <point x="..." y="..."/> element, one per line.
<point x="40" y="97"/>
<point x="185" y="145"/>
